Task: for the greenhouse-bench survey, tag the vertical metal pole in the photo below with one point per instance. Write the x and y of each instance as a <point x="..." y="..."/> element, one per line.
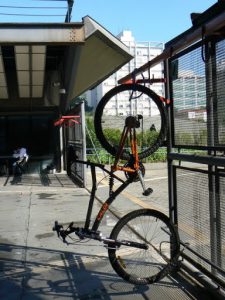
<point x="210" y="98"/>
<point x="83" y="133"/>
<point x="69" y="11"/>
<point x="61" y="145"/>
<point x="171" y="173"/>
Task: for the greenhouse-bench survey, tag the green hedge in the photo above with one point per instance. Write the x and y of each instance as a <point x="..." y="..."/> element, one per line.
<point x="102" y="156"/>
<point x="144" y="139"/>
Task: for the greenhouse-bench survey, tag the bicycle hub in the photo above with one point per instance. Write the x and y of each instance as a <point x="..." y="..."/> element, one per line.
<point x="132" y="122"/>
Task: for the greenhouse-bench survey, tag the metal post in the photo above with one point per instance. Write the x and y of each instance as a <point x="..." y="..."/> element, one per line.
<point x="83" y="133"/>
<point x="210" y="98"/>
<point x="171" y="171"/>
<point x="61" y="148"/>
<point x="69" y="11"/>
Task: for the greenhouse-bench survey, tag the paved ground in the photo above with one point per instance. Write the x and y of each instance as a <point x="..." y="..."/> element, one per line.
<point x="35" y="265"/>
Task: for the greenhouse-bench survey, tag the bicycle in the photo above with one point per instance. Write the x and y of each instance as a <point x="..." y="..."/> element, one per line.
<point x="143" y="247"/>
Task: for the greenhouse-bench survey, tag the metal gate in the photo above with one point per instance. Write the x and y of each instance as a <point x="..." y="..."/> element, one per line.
<point x="196" y="154"/>
<point x="75" y="145"/>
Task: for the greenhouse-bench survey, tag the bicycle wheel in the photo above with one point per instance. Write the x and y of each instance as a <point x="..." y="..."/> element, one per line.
<point x="131" y="100"/>
<point x="141" y="266"/>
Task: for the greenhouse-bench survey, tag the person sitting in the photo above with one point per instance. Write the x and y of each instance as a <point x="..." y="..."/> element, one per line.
<point x="20" y="158"/>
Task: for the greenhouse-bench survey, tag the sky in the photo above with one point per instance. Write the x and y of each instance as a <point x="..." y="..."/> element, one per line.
<point x="149" y="20"/>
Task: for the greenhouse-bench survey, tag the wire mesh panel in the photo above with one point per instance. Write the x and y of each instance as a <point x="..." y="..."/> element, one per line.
<point x="201" y="217"/>
<point x="193" y="210"/>
<point x="220" y="209"/>
<point x="189" y="99"/>
<point x="197" y="84"/>
<point x="220" y="91"/>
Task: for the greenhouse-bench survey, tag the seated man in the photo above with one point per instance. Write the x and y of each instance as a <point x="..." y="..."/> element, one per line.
<point x="20" y="158"/>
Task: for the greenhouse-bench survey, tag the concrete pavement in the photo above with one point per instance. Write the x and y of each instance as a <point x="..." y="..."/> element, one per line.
<point x="35" y="264"/>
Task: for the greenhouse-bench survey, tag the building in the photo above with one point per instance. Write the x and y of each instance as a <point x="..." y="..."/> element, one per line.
<point x="189" y="96"/>
<point x="142" y="53"/>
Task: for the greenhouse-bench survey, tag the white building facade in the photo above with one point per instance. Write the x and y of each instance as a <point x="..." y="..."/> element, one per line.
<point x="142" y="52"/>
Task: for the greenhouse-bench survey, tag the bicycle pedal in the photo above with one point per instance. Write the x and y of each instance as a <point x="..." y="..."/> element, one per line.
<point x="147" y="192"/>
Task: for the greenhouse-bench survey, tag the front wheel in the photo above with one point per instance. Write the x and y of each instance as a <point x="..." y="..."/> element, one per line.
<point x="144" y="266"/>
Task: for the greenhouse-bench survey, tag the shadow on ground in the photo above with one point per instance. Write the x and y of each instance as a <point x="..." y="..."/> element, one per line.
<point x="35" y="273"/>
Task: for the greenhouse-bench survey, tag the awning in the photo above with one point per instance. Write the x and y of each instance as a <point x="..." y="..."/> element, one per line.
<point x="101" y="56"/>
<point x="52" y="63"/>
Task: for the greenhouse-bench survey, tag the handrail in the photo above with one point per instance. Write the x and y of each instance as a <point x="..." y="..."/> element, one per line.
<point x="209" y="28"/>
<point x="201" y="159"/>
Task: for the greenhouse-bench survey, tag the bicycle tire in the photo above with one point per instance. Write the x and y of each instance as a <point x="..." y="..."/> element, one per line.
<point x="100" y="117"/>
<point x="139" y="266"/>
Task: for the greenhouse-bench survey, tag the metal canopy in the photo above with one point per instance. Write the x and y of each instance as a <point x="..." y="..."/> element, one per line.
<point x="41" y="33"/>
<point x="51" y="64"/>
<point x="101" y="56"/>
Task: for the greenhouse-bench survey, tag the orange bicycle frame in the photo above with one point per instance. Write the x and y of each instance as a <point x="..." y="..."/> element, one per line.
<point x="128" y="130"/>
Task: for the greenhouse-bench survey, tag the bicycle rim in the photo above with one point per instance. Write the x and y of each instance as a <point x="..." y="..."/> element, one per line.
<point x="139" y="266"/>
<point x="131" y="100"/>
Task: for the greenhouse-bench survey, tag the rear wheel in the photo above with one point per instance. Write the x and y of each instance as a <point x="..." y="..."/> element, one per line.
<point x="144" y="266"/>
<point x="122" y="102"/>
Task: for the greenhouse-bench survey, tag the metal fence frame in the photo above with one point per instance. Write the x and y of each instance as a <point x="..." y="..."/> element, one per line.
<point x="75" y="146"/>
<point x="212" y="164"/>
